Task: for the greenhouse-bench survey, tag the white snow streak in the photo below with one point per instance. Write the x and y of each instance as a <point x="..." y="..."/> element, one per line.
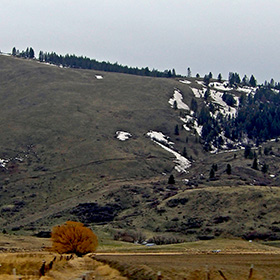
<point x="177" y="96"/>
<point x="182" y="163"/>
<point x="198" y="93"/>
<point x="185" y="82"/>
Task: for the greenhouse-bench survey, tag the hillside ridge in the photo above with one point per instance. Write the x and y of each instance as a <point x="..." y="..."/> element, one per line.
<point x="61" y="150"/>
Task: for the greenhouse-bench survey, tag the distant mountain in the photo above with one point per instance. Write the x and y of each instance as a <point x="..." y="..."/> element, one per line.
<point x="100" y="147"/>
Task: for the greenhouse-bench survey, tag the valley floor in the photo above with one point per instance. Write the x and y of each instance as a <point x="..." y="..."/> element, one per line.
<point x="229" y="258"/>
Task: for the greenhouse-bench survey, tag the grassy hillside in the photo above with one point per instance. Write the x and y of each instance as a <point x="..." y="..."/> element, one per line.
<point x="58" y="149"/>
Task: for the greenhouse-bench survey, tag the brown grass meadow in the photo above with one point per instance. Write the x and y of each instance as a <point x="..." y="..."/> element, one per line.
<point x="120" y="261"/>
<point x="196" y="266"/>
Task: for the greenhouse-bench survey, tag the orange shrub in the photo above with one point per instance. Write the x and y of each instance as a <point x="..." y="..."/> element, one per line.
<point x="73" y="237"/>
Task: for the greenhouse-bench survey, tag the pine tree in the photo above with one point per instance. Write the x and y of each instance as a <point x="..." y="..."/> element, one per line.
<point x="171" y="180"/>
<point x="189" y="73"/>
<point x="31" y="53"/>
<point x="228" y="170"/>
<point x="41" y="56"/>
<point x="194" y="105"/>
<point x="14" y="51"/>
<point x="245" y="80"/>
<point x="176" y="132"/>
<point x="184" y="152"/>
<point x="212" y="173"/>
<point x="220" y="78"/>
<point x="253" y="81"/>
<point x="255" y="164"/>
<point x="264" y="168"/>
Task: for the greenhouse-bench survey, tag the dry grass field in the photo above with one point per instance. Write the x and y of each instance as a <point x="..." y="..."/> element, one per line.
<point x="196" y="266"/>
<point x="119" y="260"/>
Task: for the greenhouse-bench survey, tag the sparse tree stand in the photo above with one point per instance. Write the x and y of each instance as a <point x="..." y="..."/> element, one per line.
<point x="73" y="237"/>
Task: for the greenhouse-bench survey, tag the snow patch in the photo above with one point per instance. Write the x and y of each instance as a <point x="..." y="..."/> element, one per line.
<point x="198" y="93"/>
<point x="177" y="96"/>
<point x="5" y="54"/>
<point x="200" y="83"/>
<point x="247" y="90"/>
<point x="198" y="128"/>
<point x="98" y="77"/>
<point x="182" y="163"/>
<point x="225" y="109"/>
<point x="185" y="82"/>
<point x="3" y="163"/>
<point x="122" y="135"/>
<point x="160" y="137"/>
<point x="220" y="86"/>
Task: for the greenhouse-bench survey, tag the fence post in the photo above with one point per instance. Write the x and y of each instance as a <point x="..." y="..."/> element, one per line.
<point x="159" y="276"/>
<point x="221" y="273"/>
<point x="251" y="272"/>
<point x="15" y="273"/>
<point x="207" y="275"/>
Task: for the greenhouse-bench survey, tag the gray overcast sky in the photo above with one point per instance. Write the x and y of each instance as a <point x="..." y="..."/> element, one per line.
<point x="206" y="35"/>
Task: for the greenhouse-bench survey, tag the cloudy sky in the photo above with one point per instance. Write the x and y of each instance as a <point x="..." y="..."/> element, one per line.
<point x="206" y="35"/>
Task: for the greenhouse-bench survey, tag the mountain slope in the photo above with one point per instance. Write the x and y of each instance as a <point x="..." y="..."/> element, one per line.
<point x="59" y="149"/>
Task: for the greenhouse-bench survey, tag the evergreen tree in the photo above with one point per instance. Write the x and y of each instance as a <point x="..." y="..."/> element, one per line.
<point x="31" y="53"/>
<point x="228" y="170"/>
<point x="212" y="173"/>
<point x="41" y="56"/>
<point x="176" y="132"/>
<point x="245" y="80"/>
<point x="184" y="152"/>
<point x="264" y="168"/>
<point x="215" y="166"/>
<point x="220" y="78"/>
<point x="14" y="51"/>
<point x="247" y="151"/>
<point x="207" y="94"/>
<point x="231" y="78"/>
<point x="189" y="73"/>
<point x="253" y="81"/>
<point x="206" y="80"/>
<point x="255" y="164"/>
<point x="26" y="55"/>
<point x="171" y="180"/>
<point x="194" y="105"/>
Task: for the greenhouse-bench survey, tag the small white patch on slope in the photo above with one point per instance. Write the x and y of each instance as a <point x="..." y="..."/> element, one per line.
<point x="122" y="135"/>
<point x="185" y="82"/>
<point x="3" y="163"/>
<point x="177" y="96"/>
<point x="220" y="86"/>
<point x="98" y="77"/>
